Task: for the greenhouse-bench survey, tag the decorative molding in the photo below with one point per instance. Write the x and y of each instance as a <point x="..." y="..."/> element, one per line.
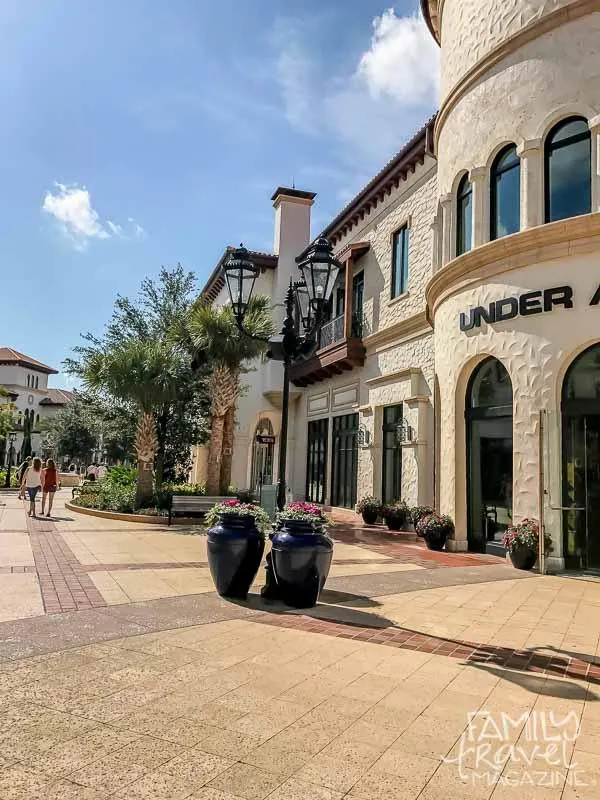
<point x="400" y="374"/>
<point x="409" y="328"/>
<point x="567" y="237"/>
<point x="539" y="27"/>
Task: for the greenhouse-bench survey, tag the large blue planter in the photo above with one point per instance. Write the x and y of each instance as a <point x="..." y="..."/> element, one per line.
<point x="235" y="549"/>
<point x="301" y="558"/>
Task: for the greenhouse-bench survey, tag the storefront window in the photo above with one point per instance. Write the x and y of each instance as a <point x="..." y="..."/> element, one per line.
<point x="391" y="472"/>
<point x="505" y="185"/>
<point x="344" y="471"/>
<point x="490" y="455"/>
<point x="568" y="171"/>
<point x="316" y="460"/>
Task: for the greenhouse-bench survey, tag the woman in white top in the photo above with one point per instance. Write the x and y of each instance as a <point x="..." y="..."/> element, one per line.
<point x="33" y="481"/>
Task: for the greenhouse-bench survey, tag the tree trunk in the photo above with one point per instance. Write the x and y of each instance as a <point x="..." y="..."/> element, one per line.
<point x="227" y="454"/>
<point x="215" y="449"/>
<point x="161" y="435"/>
<point x="145" y="446"/>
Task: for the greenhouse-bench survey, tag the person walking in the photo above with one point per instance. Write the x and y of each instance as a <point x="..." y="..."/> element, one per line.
<point x="49" y="485"/>
<point x="32" y="481"/>
<point x="21" y="474"/>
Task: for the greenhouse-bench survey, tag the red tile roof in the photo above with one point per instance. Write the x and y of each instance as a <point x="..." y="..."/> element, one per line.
<point x="57" y="397"/>
<point x="10" y="356"/>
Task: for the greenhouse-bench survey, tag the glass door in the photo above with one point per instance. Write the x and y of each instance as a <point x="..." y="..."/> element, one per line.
<point x="391" y="470"/>
<point x="316" y="466"/>
<point x="581" y="488"/>
<point x="344" y="469"/>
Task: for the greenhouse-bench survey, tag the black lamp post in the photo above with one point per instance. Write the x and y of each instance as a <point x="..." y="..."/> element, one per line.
<point x="11" y="441"/>
<point x="299" y="333"/>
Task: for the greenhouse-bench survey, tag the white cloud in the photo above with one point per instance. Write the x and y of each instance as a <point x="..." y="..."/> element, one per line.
<point x="402" y="61"/>
<point x="295" y="73"/>
<point x="72" y="209"/>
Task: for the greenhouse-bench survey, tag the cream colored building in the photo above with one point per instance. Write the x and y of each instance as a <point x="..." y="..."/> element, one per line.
<point x="462" y="363"/>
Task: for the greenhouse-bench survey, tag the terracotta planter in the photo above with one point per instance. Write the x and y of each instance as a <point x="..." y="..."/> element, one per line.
<point x="523" y="558"/>
<point x="235" y="549"/>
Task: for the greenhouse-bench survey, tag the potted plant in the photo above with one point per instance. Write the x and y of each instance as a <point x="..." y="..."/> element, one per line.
<point x="395" y="515"/>
<point x="370" y="509"/>
<point x="300" y="555"/>
<point x="236" y="542"/>
<point x="522" y="543"/>
<point x="435" y="529"/>
<point x="418" y="512"/>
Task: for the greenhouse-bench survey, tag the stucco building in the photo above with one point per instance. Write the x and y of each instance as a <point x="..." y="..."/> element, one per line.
<point x="461" y="366"/>
<point x="25" y="379"/>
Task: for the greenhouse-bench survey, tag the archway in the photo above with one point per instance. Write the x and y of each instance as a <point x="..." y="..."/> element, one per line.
<point x="580" y="409"/>
<point x="263" y="447"/>
<point x="489" y="416"/>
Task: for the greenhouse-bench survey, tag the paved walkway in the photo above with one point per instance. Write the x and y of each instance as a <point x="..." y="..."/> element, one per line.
<point x="123" y="675"/>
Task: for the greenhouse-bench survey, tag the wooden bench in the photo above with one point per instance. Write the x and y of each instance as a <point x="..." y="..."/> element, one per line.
<point x="192" y="505"/>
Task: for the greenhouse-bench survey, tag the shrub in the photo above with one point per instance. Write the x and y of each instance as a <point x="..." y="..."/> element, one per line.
<point x="307" y="512"/>
<point x="14" y="480"/>
<point x="397" y="512"/>
<point x="418" y="512"/>
<point x="263" y="523"/>
<point x="120" y="476"/>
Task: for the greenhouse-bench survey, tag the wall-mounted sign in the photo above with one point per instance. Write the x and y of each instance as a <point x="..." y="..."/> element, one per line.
<point x="525" y="306"/>
<point x="264" y="439"/>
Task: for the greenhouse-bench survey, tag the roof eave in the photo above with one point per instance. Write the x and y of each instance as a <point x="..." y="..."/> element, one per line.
<point x="431" y="23"/>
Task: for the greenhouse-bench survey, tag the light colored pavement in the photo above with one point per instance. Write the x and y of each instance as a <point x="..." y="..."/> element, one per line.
<point x="466" y="682"/>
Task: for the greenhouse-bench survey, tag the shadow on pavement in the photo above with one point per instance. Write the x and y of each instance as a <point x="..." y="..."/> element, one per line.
<point x="540" y="684"/>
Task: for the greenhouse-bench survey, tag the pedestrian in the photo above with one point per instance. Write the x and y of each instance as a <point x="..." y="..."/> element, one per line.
<point x="49" y="486"/>
<point x="21" y="474"/>
<point x="32" y="481"/>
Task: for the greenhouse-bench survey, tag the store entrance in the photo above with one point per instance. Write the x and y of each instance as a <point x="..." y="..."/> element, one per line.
<point x="490" y="456"/>
<point x="581" y="462"/>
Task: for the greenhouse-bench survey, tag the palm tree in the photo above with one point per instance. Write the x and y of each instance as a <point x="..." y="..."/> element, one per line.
<point x="214" y="333"/>
<point x="145" y="373"/>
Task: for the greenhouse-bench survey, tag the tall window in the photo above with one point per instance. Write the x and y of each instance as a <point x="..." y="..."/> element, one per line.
<point x="464" y="216"/>
<point x="505" y="199"/>
<point x="568" y="170"/>
<point x="316" y="460"/>
<point x="391" y="469"/>
<point x="344" y="468"/>
<point x="28" y="381"/>
<point x="400" y="262"/>
<point x="37" y="381"/>
<point x="262" y="455"/>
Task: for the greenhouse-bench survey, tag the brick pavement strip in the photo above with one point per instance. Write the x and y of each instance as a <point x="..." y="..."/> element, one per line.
<point x="64" y="583"/>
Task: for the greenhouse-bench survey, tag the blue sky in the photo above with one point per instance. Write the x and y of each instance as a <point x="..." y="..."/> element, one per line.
<point x="140" y="133"/>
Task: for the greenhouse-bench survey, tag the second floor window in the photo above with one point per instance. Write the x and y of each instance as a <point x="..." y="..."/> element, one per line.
<point x="568" y="170"/>
<point x="400" y="262"/>
<point x="464" y="216"/>
<point x="505" y="185"/>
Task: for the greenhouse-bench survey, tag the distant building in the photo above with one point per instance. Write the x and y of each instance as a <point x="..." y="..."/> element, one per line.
<point x="26" y="381"/>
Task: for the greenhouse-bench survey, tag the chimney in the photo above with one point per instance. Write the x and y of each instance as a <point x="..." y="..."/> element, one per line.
<point x="292" y="233"/>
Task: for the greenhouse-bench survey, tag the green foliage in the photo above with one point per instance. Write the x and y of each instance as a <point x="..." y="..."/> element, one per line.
<point x="368" y="504"/>
<point x="261" y="518"/>
<point x="14" y="480"/>
<point x="107" y="496"/>
<point x="7" y="414"/>
<point x="120" y="476"/>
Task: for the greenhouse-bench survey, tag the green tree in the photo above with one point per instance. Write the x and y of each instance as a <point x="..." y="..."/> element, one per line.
<point x="217" y="340"/>
<point x="159" y="314"/>
<point x="146" y="374"/>
<point x="7" y="414"/>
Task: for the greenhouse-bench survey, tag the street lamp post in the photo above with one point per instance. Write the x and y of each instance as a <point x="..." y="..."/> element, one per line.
<point x="300" y="332"/>
<point x="11" y="440"/>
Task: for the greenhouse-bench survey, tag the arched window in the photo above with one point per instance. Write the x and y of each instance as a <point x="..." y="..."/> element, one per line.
<point x="464" y="215"/>
<point x="489" y="415"/>
<point x="28" y="381"/>
<point x="505" y="193"/>
<point x="37" y="381"/>
<point x="568" y="170"/>
<point x="262" y="455"/>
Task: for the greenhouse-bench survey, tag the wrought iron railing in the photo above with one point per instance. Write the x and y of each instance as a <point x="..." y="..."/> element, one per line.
<point x="333" y="331"/>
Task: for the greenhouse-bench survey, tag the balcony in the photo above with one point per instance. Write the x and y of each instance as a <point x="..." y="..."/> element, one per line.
<point x="340" y="350"/>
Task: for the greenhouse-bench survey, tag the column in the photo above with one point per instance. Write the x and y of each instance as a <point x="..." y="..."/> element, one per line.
<point x="479" y="183"/>
<point x="447" y="228"/>
<point x="348" y="310"/>
<point x="594" y="124"/>
<point x="531" y="153"/>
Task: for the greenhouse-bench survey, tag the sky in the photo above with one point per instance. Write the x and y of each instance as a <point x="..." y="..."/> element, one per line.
<point x="138" y="134"/>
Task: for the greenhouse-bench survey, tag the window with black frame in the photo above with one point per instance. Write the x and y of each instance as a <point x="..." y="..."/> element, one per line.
<point x="400" y="262"/>
<point x="316" y="460"/>
<point x="391" y="469"/>
<point x="464" y="216"/>
<point x="568" y="170"/>
<point x="344" y="468"/>
<point x="505" y="193"/>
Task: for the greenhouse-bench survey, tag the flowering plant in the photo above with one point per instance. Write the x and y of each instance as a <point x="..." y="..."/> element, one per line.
<point x="395" y="511"/>
<point x="300" y="510"/>
<point x="368" y="504"/>
<point x="526" y="534"/>
<point x="418" y="512"/>
<point x="261" y="518"/>
<point x="434" y="525"/>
